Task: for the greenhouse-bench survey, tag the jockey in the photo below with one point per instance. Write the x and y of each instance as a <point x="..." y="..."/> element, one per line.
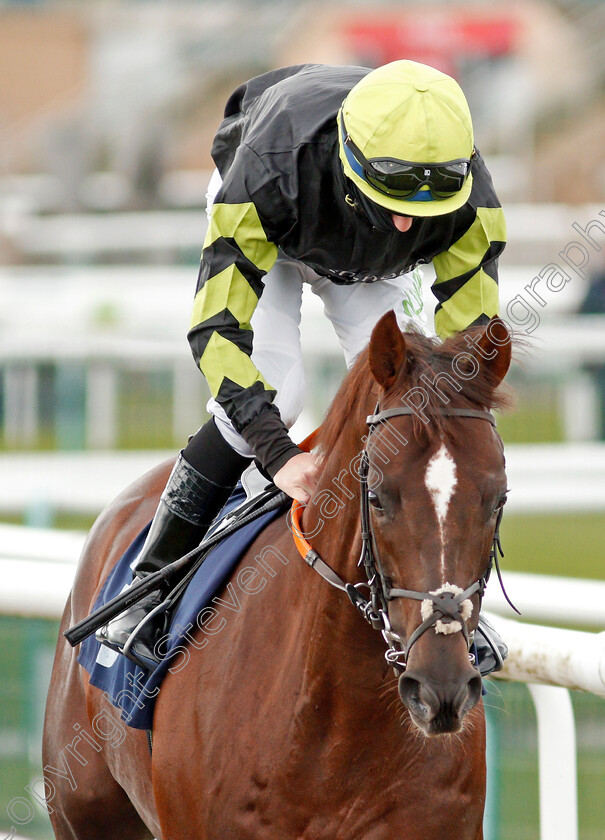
<point x="347" y="180"/>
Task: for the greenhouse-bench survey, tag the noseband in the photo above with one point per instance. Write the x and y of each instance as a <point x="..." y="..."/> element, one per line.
<point x="447" y="609"/>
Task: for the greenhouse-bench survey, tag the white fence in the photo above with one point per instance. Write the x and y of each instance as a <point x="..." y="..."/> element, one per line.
<point x="535" y="231"/>
<point x="92" y="366"/>
<point x="542" y="477"/>
<point x="95" y="323"/>
<point x="37" y="567"/>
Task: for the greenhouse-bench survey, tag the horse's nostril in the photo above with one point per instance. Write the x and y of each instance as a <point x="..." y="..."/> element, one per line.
<point x="418" y="697"/>
<point x="475" y="687"/>
<point x="408" y="690"/>
<point x="439" y="708"/>
<point x="467" y="696"/>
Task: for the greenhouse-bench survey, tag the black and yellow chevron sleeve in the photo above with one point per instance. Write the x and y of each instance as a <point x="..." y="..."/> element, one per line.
<point x="467" y="274"/>
<point x="235" y="257"/>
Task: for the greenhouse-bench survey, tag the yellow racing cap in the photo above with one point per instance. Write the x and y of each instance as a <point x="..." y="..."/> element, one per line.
<point x="408" y="113"/>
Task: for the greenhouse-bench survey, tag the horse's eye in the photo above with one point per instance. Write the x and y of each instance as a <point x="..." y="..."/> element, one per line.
<point x="501" y="502"/>
<point x="374" y="500"/>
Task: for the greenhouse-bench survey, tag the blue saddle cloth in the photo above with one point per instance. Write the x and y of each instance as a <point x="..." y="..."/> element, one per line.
<point x="130" y="688"/>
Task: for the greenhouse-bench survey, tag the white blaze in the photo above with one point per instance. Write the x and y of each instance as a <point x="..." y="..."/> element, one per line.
<point x="440" y="481"/>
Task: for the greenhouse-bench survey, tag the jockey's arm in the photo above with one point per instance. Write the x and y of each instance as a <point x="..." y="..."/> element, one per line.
<point x="236" y="255"/>
<point x="467" y="272"/>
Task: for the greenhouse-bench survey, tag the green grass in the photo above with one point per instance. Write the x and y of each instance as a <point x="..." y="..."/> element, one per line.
<point x="145" y="411"/>
<point x="60" y="520"/>
<point x="535" y="414"/>
<point x="531" y="424"/>
<point x="569" y="544"/>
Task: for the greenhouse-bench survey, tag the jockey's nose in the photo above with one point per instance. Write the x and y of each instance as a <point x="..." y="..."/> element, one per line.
<point x="402" y="223"/>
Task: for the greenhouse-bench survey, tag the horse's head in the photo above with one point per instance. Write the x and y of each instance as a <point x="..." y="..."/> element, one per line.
<point x="436" y="486"/>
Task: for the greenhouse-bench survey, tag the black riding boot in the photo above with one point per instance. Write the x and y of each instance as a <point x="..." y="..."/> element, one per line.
<point x="187" y="507"/>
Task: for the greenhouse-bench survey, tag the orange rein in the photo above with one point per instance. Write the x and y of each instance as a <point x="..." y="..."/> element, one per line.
<point x="301" y="543"/>
<point x="297" y="508"/>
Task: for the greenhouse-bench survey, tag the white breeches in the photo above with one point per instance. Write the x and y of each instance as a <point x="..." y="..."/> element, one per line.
<point x="353" y="311"/>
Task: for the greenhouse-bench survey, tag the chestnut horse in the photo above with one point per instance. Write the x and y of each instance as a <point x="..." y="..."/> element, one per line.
<point x="283" y="719"/>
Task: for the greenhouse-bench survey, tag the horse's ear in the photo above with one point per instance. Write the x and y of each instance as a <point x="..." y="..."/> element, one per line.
<point x="387" y="350"/>
<point x="494" y="350"/>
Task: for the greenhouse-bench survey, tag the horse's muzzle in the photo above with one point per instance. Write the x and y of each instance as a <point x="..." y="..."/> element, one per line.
<point x="439" y="708"/>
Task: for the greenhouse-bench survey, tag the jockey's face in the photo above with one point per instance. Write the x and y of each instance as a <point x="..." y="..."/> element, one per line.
<point x="402" y="223"/>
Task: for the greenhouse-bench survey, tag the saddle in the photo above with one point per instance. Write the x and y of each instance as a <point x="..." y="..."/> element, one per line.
<point x="131" y="687"/>
<point x="249" y="500"/>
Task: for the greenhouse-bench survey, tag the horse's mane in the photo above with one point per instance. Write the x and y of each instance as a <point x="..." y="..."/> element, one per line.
<point x="426" y="356"/>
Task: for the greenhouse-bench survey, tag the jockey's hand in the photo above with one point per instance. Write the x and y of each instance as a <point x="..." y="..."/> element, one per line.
<point x="298" y="477"/>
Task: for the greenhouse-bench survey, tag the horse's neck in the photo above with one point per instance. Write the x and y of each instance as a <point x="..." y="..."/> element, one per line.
<point x="332" y="526"/>
<point x="333" y="516"/>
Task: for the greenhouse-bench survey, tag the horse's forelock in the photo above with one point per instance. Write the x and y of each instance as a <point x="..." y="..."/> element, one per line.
<point x="426" y="358"/>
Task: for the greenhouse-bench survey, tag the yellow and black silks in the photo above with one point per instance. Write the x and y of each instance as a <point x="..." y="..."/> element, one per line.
<point x="284" y="187"/>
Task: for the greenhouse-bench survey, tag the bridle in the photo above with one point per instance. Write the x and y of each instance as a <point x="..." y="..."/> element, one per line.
<point x="447" y="609"/>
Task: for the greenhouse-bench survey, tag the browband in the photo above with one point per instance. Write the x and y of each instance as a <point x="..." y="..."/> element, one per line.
<point x="373" y="419"/>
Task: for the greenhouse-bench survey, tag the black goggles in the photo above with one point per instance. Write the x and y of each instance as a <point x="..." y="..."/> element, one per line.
<point x="405" y="179"/>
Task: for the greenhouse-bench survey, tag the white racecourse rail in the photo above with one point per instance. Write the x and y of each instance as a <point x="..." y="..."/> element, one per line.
<point x="543" y="478"/>
<point x="37" y="567"/>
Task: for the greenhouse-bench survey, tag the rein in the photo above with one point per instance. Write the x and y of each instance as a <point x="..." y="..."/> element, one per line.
<point x="446" y="609"/>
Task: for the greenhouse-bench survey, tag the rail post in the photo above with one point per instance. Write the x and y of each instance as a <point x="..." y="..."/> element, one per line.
<point x="557" y="762"/>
